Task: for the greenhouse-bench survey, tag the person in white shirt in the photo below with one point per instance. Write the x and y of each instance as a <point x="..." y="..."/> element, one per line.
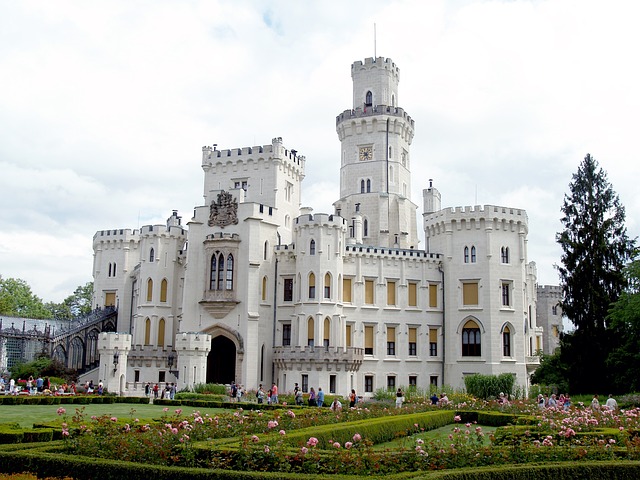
<point x="611" y="403"/>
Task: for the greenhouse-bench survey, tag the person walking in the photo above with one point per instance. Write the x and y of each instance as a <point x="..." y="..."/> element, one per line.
<point x="611" y="403"/>
<point x="320" y="397"/>
<point x="274" y="393"/>
<point x="312" y="397"/>
<point x="399" y="398"/>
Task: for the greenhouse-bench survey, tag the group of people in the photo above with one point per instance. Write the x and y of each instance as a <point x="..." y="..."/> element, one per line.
<point x="166" y="393"/>
<point x="561" y="401"/>
<point x="37" y="386"/>
<point x="610" y="404"/>
<point x="271" y="395"/>
<point x="441" y="400"/>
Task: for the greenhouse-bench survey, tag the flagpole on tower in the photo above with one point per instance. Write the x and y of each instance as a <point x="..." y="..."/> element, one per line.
<point x="374" y="41"/>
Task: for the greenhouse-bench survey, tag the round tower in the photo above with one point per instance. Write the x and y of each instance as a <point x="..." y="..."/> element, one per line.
<point x="375" y="173"/>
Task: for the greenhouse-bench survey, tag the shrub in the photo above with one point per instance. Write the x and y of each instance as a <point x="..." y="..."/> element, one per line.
<point x="489" y="386"/>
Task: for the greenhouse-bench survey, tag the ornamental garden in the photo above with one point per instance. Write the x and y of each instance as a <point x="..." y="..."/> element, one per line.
<point x="465" y="439"/>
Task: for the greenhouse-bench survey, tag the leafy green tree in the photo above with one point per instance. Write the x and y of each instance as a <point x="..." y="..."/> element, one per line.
<point x="624" y="322"/>
<point x="17" y="300"/>
<point x="595" y="250"/>
<point x="79" y="303"/>
<point x="552" y="372"/>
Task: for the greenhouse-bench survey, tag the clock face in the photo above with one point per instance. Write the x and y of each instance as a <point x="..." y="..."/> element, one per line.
<point x="366" y="153"/>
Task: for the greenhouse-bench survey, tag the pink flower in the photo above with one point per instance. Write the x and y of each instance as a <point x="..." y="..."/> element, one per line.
<point x="113" y="419"/>
<point x="61" y="411"/>
<point x="348" y="445"/>
<point x="266" y="449"/>
<point x="312" y="442"/>
<point x="336" y="445"/>
<point x="357" y="437"/>
<point x="255" y="439"/>
<point x="165" y="409"/>
<point x="178" y="411"/>
<point x="174" y="430"/>
<point x="65" y="432"/>
<point x="272" y="424"/>
<point x="282" y="432"/>
<point x="457" y="418"/>
<point x="304" y="450"/>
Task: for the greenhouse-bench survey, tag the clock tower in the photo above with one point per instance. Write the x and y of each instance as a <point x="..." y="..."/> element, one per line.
<point x="375" y="171"/>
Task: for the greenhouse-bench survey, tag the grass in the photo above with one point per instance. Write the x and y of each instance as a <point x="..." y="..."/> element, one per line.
<point x="27" y="415"/>
<point x="438" y="434"/>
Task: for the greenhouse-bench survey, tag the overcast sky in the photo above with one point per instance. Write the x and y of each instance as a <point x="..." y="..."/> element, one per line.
<point x="105" y="106"/>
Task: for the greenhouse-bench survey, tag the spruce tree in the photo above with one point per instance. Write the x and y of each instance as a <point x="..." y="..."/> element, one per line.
<point x="595" y="249"/>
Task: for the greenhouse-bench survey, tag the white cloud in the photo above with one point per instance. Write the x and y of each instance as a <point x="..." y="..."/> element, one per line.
<point x="104" y="108"/>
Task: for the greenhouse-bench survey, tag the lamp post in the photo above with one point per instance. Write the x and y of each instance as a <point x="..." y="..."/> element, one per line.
<point x="171" y="359"/>
<point x="116" y="358"/>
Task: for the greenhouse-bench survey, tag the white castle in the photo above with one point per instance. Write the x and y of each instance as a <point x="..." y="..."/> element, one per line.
<point x="257" y="289"/>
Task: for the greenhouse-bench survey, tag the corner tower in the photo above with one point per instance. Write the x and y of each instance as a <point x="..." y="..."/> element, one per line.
<point x="375" y="172"/>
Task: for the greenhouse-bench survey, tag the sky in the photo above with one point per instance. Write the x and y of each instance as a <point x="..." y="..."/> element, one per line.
<point x="105" y="107"/>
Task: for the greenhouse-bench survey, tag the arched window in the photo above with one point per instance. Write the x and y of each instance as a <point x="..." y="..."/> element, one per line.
<point x="473" y="254"/>
<point x="471" y="346"/>
<point x="368" y="185"/>
<point x="266" y="249"/>
<point x="114" y="269"/>
<point x="327" y="286"/>
<point x="312" y="286"/>
<point x="76" y="351"/>
<point x="466" y="254"/>
<point x="163" y="290"/>
<point x="327" y="332"/>
<point x="214" y="270"/>
<point x="152" y="255"/>
<point x="310" y="329"/>
<point x="506" y="341"/>
<point x="161" y="325"/>
<point x="147" y="331"/>
<point x="264" y="288"/>
<point x="149" y="290"/>
<point x="361" y="186"/>
<point x="220" y="283"/>
<point x="229" y="285"/>
<point x="366" y="227"/>
<point x="109" y="270"/>
<point x="368" y="101"/>
<point x="390" y="151"/>
<point x="504" y="254"/>
<point x="312" y="247"/>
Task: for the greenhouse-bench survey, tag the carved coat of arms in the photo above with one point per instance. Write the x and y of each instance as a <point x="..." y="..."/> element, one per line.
<point x="223" y="211"/>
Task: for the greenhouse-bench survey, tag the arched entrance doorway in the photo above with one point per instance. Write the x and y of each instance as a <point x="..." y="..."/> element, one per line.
<point x="221" y="362"/>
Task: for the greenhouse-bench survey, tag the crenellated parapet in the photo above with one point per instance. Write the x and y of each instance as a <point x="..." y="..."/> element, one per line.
<point x="378" y="62"/>
<point x="487" y="216"/>
<point x="364" y="113"/>
<point x="211" y="156"/>
<point x="395" y="253"/>
<point x="320" y="220"/>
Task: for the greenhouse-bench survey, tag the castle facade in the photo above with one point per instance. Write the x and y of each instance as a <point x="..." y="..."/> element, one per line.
<point x="257" y="289"/>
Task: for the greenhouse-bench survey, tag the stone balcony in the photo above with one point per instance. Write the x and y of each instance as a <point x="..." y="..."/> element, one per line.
<point x="219" y="302"/>
<point x="321" y="358"/>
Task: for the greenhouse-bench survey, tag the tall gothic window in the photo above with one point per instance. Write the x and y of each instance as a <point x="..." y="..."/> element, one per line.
<point x="312" y="247"/>
<point x="471" y="346"/>
<point x="368" y="99"/>
<point x="229" y="285"/>
<point x="152" y="255"/>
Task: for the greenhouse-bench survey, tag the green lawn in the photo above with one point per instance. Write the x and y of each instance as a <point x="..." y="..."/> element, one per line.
<point x="27" y="415"/>
<point x="438" y="434"/>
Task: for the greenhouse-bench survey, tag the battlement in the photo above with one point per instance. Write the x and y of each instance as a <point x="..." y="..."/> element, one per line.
<point x="276" y="150"/>
<point x="373" y="111"/>
<point x="321" y="219"/>
<point x="383" y="252"/>
<point x="223" y="235"/>
<point x="379" y="62"/>
<point x="549" y="291"/>
<point x="477" y="213"/>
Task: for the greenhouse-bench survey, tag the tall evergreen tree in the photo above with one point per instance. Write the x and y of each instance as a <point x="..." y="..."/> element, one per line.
<point x="595" y="249"/>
